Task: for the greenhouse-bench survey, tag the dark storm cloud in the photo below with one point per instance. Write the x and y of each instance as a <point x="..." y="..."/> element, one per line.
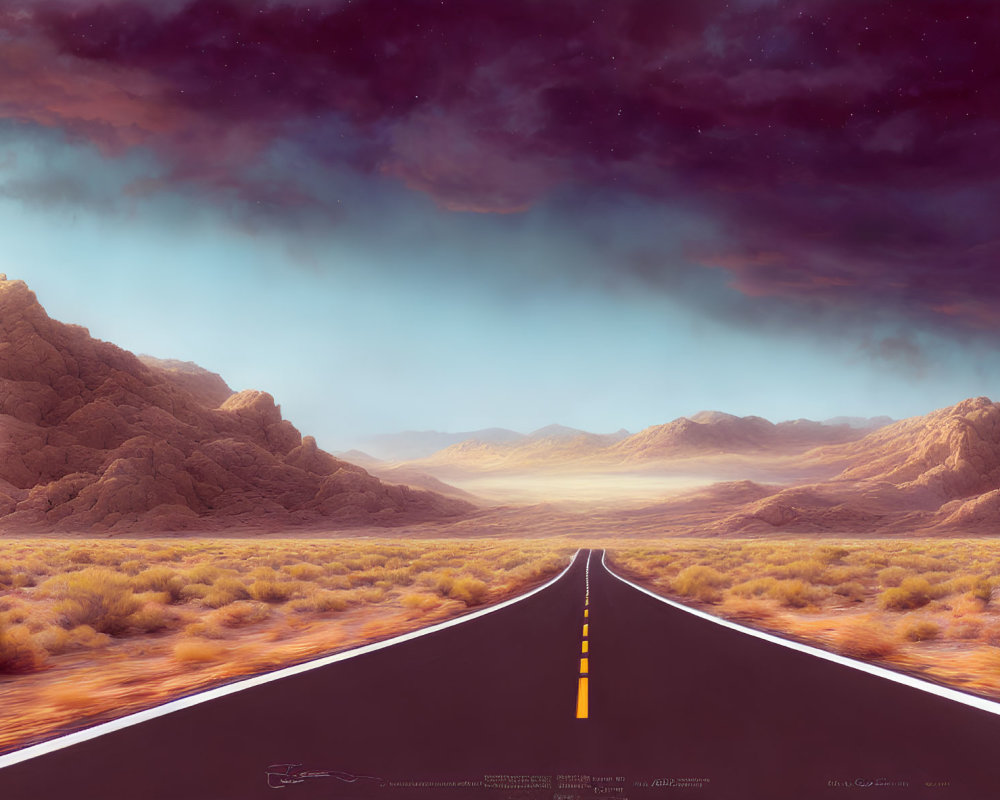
<point x="847" y="154"/>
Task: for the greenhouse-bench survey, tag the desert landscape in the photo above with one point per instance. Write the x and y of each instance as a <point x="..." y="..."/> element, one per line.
<point x="162" y="533"/>
<point x="507" y="396"/>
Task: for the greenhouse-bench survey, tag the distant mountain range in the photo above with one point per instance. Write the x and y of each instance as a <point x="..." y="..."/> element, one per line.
<point x="705" y="433"/>
<point x="413" y="445"/>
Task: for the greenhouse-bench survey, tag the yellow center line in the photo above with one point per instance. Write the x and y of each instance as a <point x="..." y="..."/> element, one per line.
<point x="583" y="687"/>
<point x="582" y="700"/>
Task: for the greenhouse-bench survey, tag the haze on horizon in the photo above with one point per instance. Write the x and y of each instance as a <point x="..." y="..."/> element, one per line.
<point x="452" y="216"/>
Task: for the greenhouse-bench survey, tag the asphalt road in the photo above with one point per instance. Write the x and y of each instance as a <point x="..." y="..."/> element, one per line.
<point x="504" y="706"/>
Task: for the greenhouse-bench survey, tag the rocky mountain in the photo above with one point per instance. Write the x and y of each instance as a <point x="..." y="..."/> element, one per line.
<point x="97" y="439"/>
<point x="938" y="471"/>
<point x="954" y="450"/>
<point x="208" y="388"/>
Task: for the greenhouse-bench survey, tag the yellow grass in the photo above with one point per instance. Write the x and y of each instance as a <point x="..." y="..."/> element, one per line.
<point x="93" y="629"/>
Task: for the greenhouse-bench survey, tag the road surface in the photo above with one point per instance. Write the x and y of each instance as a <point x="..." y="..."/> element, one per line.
<point x="588" y="688"/>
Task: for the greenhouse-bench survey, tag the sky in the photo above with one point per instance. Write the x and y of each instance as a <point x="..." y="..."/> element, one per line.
<point x="454" y="214"/>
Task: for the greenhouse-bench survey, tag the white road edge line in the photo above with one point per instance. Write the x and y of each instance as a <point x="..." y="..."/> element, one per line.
<point x="881" y="672"/>
<point x="50" y="746"/>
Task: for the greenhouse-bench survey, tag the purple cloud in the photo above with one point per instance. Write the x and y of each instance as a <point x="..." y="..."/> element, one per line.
<point x="849" y="157"/>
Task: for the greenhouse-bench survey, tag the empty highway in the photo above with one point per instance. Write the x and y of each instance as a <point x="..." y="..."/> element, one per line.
<point x="587" y="688"/>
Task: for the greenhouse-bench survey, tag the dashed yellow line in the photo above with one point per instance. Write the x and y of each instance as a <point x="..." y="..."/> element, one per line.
<point x="582" y="699"/>
<point x="583" y="687"/>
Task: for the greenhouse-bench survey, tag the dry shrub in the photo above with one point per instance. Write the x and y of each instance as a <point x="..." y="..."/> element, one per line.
<point x="368" y="578"/>
<point x="324" y="601"/>
<point x="265" y="574"/>
<point x="938" y="579"/>
<point x="320" y="601"/>
<point x="920" y="630"/>
<point x="163" y="598"/>
<point x="852" y="590"/>
<point x="242" y="612"/>
<point x="225" y="591"/>
<point x="19" y="651"/>
<point x="847" y="574"/>
<point x="154" y="617"/>
<point x="700" y="582"/>
<point x="94" y="596"/>
<point x="865" y="637"/>
<point x="982" y="589"/>
<point x="198" y="652"/>
<point x="795" y="593"/>
<point x="202" y="573"/>
<point x="270" y="591"/>
<point x="131" y="567"/>
<point x="194" y="591"/>
<point x="367" y="595"/>
<point x="86" y="638"/>
<point x="80" y="555"/>
<point x="56" y="640"/>
<point x="159" y="579"/>
<point x="421" y="600"/>
<point x="206" y="629"/>
<point x="911" y="593"/>
<point x="441" y="580"/>
<point x="398" y="577"/>
<point x="892" y="576"/>
<point x="832" y="554"/>
<point x="470" y="591"/>
<point x="304" y="572"/>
